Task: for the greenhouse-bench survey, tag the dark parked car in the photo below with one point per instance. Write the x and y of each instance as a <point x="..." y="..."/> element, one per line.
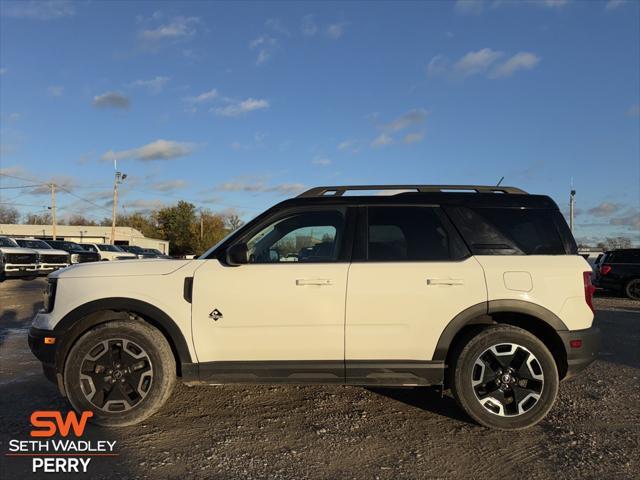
<point x="77" y="253"/>
<point x="619" y="270"/>
<point x="139" y="251"/>
<point x="156" y="252"/>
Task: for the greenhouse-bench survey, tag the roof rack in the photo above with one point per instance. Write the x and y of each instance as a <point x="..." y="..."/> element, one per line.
<point x="338" y="191"/>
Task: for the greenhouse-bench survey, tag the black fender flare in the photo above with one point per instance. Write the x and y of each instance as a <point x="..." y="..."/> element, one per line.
<point x="480" y="314"/>
<point x="93" y="313"/>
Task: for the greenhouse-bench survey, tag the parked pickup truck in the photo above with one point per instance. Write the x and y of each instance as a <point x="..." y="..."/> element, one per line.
<point x="49" y="259"/>
<point x="17" y="261"/>
<point x="108" y="252"/>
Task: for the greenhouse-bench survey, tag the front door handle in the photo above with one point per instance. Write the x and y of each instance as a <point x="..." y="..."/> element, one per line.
<point x="445" y="281"/>
<point x="301" y="282"/>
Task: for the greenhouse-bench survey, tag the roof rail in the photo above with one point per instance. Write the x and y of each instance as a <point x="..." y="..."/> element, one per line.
<point x="338" y="191"/>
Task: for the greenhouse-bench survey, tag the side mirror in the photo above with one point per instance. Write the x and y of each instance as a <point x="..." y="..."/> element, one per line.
<point x="237" y="254"/>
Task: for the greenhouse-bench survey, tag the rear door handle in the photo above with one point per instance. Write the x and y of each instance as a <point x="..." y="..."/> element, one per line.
<point x="301" y="282"/>
<point x="445" y="281"/>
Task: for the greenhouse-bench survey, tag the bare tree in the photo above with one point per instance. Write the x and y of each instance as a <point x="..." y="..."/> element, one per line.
<point x="9" y="214"/>
<point x="38" y="219"/>
<point x="233" y="222"/>
<point x="614" y="243"/>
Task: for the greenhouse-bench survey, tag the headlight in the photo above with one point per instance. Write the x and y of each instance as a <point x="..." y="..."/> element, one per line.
<point x="49" y="294"/>
<point x="75" y="257"/>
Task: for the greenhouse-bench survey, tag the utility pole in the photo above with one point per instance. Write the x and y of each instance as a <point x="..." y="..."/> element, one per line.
<point x="118" y="179"/>
<point x="572" y="202"/>
<point x="53" y="210"/>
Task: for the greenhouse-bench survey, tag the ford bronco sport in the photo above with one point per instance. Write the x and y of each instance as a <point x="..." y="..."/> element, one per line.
<point x="477" y="289"/>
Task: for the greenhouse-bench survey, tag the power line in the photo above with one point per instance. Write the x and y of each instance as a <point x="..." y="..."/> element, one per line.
<point x="21" y="186"/>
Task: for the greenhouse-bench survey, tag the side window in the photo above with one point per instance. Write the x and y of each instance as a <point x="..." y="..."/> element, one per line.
<point x="405" y="234"/>
<point x="305" y="237"/>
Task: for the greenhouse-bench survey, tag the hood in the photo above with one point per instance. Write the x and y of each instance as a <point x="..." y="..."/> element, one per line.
<point x="19" y="250"/>
<point x="130" y="268"/>
<point x="50" y="251"/>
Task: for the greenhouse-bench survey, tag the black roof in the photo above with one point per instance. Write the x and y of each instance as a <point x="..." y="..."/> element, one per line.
<point x="465" y="195"/>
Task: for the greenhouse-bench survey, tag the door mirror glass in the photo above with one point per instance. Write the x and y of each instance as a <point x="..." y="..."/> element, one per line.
<point x="237" y="254"/>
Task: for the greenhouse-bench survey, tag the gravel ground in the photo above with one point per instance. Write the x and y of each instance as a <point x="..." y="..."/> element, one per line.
<point x="345" y="432"/>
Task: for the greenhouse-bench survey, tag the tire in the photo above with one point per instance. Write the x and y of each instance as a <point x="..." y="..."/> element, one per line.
<point x="514" y="399"/>
<point x="121" y="371"/>
<point x="632" y="289"/>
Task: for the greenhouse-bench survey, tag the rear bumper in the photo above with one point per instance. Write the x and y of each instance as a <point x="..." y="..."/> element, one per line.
<point x="579" y="358"/>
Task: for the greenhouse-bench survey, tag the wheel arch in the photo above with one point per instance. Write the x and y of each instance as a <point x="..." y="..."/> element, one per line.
<point x="87" y="316"/>
<point x="534" y="318"/>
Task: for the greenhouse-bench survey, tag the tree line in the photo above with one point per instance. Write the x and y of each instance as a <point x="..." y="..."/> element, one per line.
<point x="188" y="230"/>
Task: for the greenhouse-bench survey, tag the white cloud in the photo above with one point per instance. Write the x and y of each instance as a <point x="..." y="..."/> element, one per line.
<point x="143" y="205"/>
<point x="629" y="219"/>
<point x="413" y="137"/>
<point x="55" y="90"/>
<point x="260" y="186"/>
<point x="240" y="108"/>
<point x="258" y="141"/>
<point x="555" y="3"/>
<point x="469" y="7"/>
<point x="276" y="25"/>
<point x="350" y="145"/>
<point x="474" y="63"/>
<point x="3" y="71"/>
<point x="158" y="150"/>
<point x="178" y="28"/>
<point x="336" y="30"/>
<point x="309" y="27"/>
<point x="39" y="10"/>
<point x="614" y="4"/>
<point x="634" y="111"/>
<point x="416" y="116"/>
<point x="154" y="85"/>
<point x="605" y="209"/>
<point x="266" y="46"/>
<point x="321" y="161"/>
<point x="204" y="97"/>
<point x="482" y="62"/>
<point x="382" y="140"/>
<point x="520" y="61"/>
<point x="438" y="65"/>
<point x="111" y="100"/>
<point x="169" y="185"/>
<point x="63" y="182"/>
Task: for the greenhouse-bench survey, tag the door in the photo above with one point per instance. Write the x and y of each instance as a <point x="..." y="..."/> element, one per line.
<point x="414" y="275"/>
<point x="279" y="317"/>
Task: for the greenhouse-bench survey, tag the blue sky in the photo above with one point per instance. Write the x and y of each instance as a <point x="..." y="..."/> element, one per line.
<point x="239" y="105"/>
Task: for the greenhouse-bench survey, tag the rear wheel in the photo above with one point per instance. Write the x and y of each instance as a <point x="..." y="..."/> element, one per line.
<point x="632" y="289"/>
<point x="505" y="378"/>
<point x="122" y="371"/>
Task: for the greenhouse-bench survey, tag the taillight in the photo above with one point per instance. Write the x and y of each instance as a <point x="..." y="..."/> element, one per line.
<point x="589" y="289"/>
<point x="605" y="269"/>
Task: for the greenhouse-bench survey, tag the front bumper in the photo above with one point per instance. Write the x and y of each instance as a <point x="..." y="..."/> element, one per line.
<point x="45" y="352"/>
<point x="579" y="358"/>
<point x="51" y="267"/>
<point x="20" y="270"/>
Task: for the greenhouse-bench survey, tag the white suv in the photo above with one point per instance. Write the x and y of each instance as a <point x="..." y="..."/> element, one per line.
<point x="480" y="290"/>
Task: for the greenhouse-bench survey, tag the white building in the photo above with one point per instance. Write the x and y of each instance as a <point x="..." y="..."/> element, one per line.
<point x="84" y="234"/>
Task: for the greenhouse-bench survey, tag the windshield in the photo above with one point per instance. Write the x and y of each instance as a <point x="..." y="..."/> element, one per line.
<point x="28" y="243"/>
<point x="7" y="242"/>
<point x="133" y="249"/>
<point x="109" y="248"/>
<point x="65" y="245"/>
<point x="208" y="252"/>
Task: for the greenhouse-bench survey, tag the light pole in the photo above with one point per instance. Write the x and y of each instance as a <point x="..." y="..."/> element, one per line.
<point x="82" y="232"/>
<point x="572" y="201"/>
<point x="119" y="178"/>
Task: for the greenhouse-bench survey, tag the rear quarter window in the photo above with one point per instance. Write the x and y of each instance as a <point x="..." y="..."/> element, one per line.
<point x="513" y="231"/>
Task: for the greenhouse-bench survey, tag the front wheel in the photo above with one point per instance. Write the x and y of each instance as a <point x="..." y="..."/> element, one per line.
<point x="505" y="378"/>
<point x="632" y="289"/>
<point x="121" y="371"/>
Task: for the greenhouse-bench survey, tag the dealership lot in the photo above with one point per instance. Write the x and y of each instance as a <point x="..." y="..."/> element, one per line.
<point x="344" y="432"/>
